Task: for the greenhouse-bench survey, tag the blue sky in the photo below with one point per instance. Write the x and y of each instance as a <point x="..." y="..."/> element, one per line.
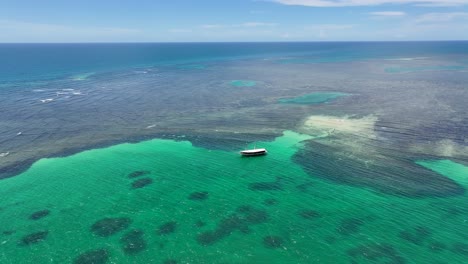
<point x="226" y="20"/>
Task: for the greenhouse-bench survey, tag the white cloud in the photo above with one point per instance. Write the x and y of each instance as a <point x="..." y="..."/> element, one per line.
<point x="441" y="17"/>
<point x="242" y="25"/>
<point x="323" y="31"/>
<point x="179" y="30"/>
<point x="18" y="31"/>
<point x="388" y="13"/>
<point x="330" y="26"/>
<point x="342" y="3"/>
<point x="258" y="24"/>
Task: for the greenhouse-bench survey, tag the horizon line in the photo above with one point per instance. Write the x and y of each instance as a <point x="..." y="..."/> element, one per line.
<point x="214" y="42"/>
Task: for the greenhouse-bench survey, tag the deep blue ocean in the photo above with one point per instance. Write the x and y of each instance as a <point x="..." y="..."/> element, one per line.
<point x="28" y="62"/>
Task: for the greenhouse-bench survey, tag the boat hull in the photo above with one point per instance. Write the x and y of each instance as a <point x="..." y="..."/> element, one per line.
<point x="250" y="153"/>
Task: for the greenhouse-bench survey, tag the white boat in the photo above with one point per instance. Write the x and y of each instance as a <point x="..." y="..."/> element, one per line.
<point x="254" y="152"/>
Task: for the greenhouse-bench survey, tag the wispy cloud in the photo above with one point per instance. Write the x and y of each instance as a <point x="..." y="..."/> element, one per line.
<point x="40" y="32"/>
<point x="388" y="13"/>
<point x="242" y="25"/>
<point x="180" y="30"/>
<point x="330" y="26"/>
<point x="442" y="17"/>
<point x="323" y="31"/>
<point x="343" y="3"/>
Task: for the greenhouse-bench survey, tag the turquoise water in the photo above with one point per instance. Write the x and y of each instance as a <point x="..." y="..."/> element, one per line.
<point x="136" y="203"/>
<point x="314" y="98"/>
<point x="129" y="153"/>
<point x="243" y="83"/>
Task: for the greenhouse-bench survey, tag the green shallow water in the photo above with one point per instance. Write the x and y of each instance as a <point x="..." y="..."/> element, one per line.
<point x="315" y="221"/>
<point x="313" y="98"/>
<point x="243" y="83"/>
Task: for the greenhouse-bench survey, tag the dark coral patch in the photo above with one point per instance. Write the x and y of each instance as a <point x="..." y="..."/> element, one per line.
<point x="378" y="253"/>
<point x="267" y="186"/>
<point x="437" y="246"/>
<point x="270" y="201"/>
<point x="200" y="223"/>
<point x="137" y="174"/>
<point x="109" y="226"/>
<point x="350" y="226"/>
<point x="330" y="239"/>
<point x="39" y="214"/>
<point x="34" y="238"/>
<point x="416" y="236"/>
<point x="241" y="220"/>
<point x="309" y="214"/>
<point x="198" y="196"/>
<point x="304" y="187"/>
<point x="133" y="242"/>
<point x="98" y="256"/>
<point x="460" y="248"/>
<point x="170" y="261"/>
<point x="252" y="215"/>
<point x="8" y="232"/>
<point x="209" y="237"/>
<point x="167" y="228"/>
<point x="396" y="175"/>
<point x="273" y="242"/>
<point x="140" y="183"/>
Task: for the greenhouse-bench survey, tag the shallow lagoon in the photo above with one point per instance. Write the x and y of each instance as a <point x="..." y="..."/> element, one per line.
<point x="309" y="219"/>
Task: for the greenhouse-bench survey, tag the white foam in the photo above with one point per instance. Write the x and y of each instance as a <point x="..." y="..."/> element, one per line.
<point x="4" y="154"/>
<point x="151" y="126"/>
<point x="407" y="59"/>
<point x="46" y="100"/>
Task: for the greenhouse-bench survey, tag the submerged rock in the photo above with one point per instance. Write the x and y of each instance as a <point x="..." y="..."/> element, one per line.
<point x="167" y="228"/>
<point x="267" y="186"/>
<point x="137" y="174"/>
<point x="8" y="232"/>
<point x="200" y="223"/>
<point x="273" y="242"/>
<point x="98" y="256"/>
<point x="437" y="246"/>
<point x="109" y="226"/>
<point x="350" y="226"/>
<point x="270" y="201"/>
<point x="309" y="214"/>
<point x="39" y="214"/>
<point x="141" y="183"/>
<point x="198" y="196"/>
<point x="377" y="253"/>
<point x="133" y="242"/>
<point x="416" y="236"/>
<point x="34" y="238"/>
<point x="460" y="248"/>
<point x="241" y="220"/>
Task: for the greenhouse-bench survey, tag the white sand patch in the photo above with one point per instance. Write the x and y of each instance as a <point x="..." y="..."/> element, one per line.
<point x="319" y="124"/>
